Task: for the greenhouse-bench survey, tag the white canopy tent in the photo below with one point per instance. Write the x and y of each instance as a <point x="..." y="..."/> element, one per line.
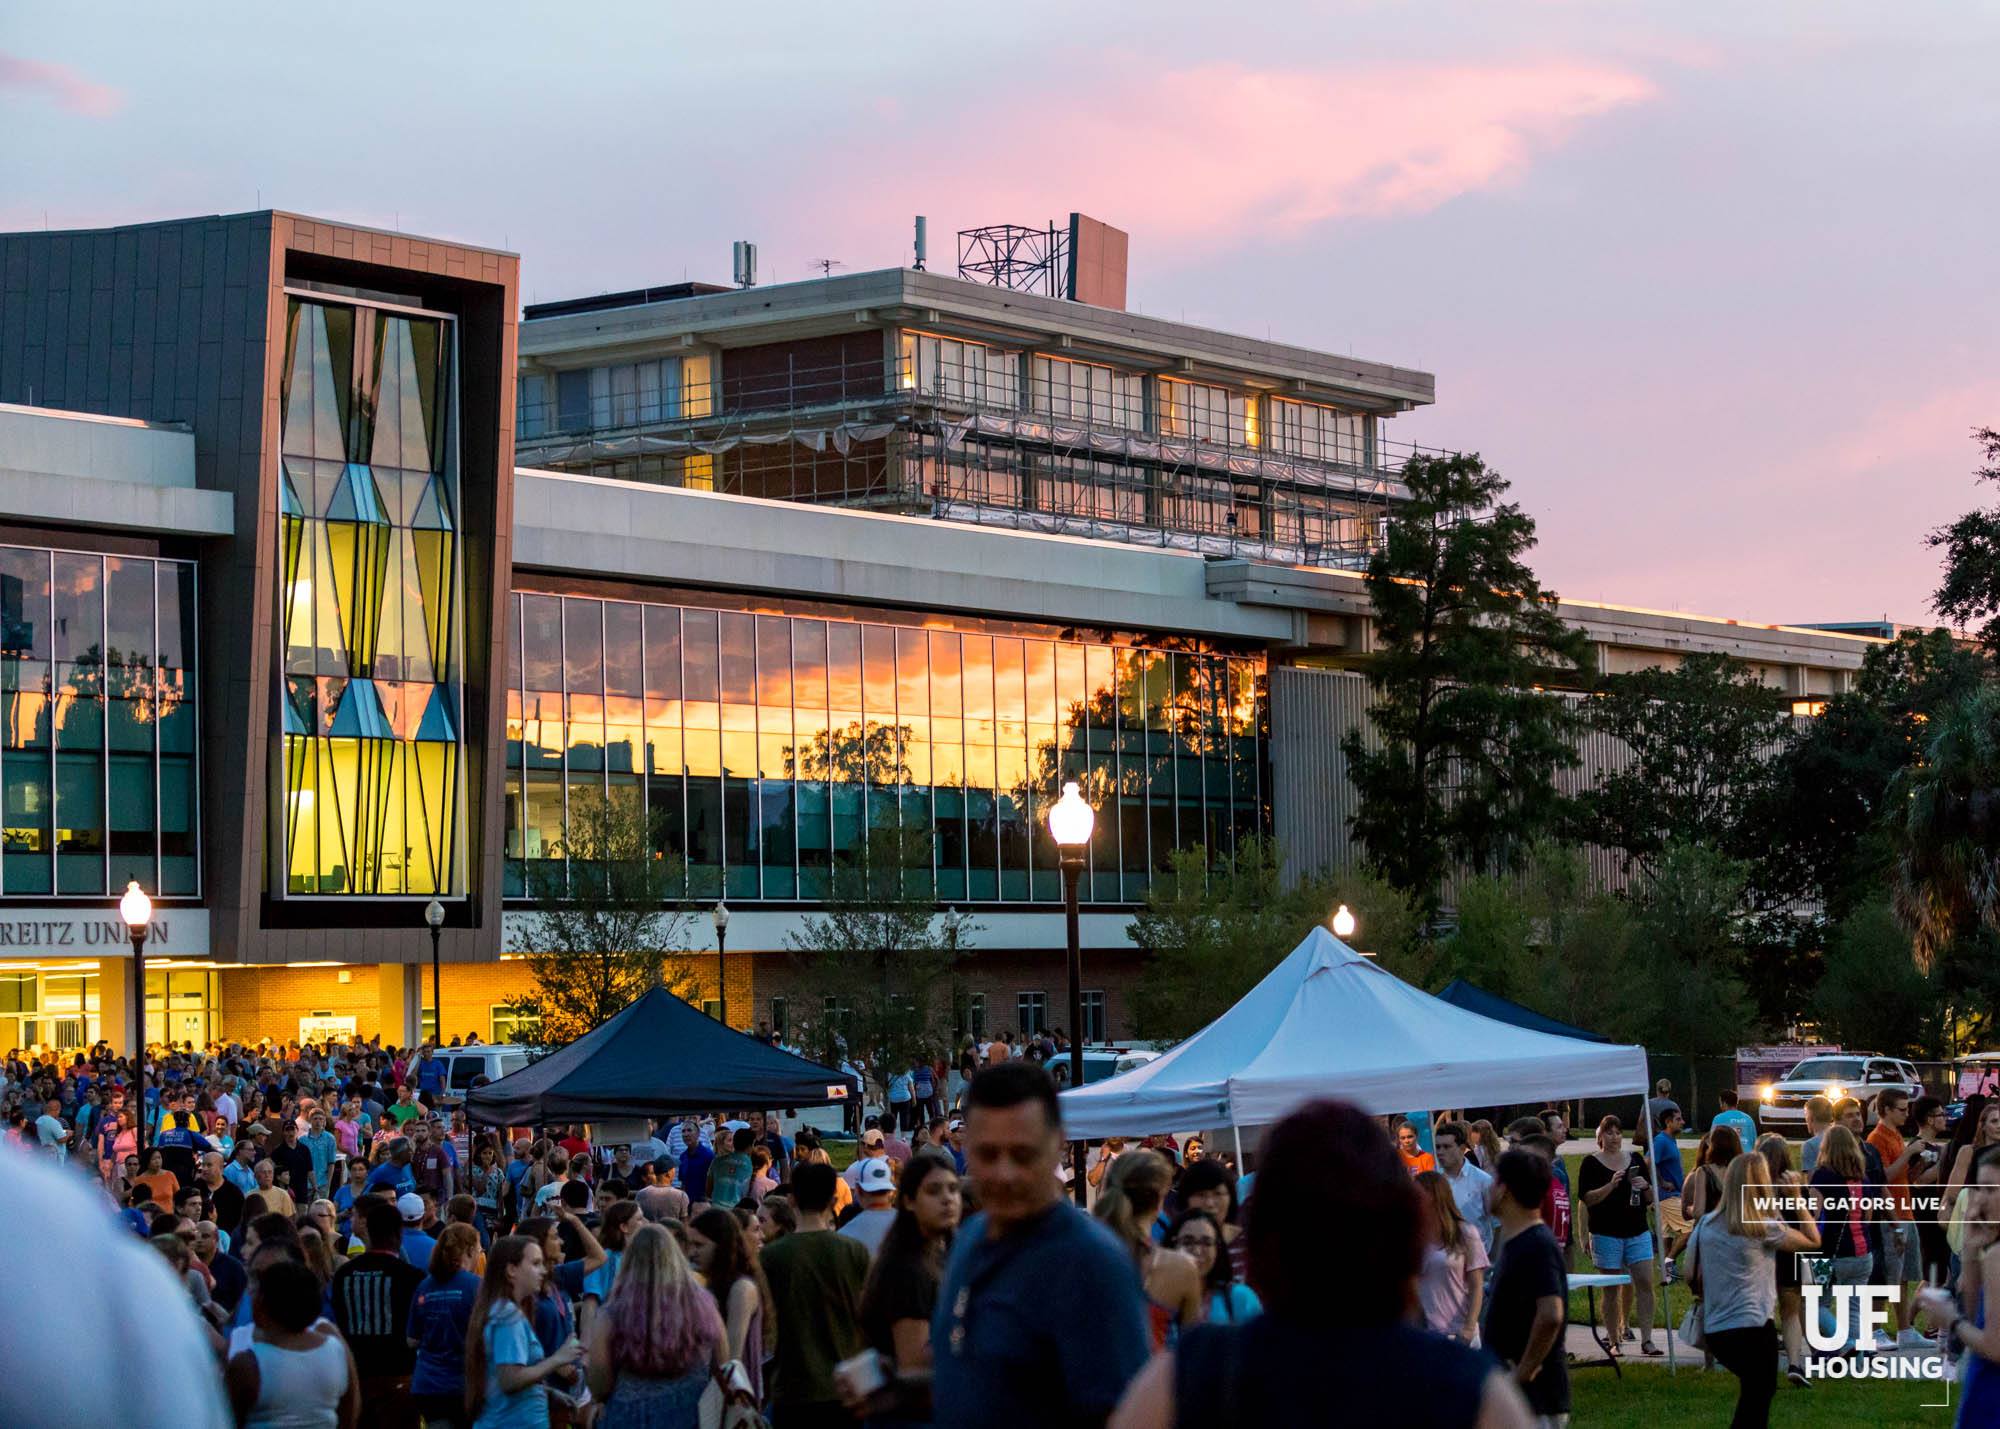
<point x="1327" y="1022"/>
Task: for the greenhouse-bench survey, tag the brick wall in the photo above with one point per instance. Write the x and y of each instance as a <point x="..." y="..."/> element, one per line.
<point x="256" y="1002"/>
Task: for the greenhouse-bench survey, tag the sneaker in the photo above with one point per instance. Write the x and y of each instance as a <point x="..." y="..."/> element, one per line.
<point x="1797" y="1378"/>
<point x="1669" y="1274"/>
<point x="1628" y="1336"/>
<point x="1913" y="1339"/>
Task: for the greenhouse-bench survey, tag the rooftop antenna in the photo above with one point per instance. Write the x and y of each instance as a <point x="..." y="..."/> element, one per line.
<point x="827" y="265"/>
<point x="923" y="241"/>
<point x="745" y="266"/>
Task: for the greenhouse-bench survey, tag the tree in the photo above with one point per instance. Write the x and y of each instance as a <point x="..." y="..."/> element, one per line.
<point x="1872" y="994"/>
<point x="1970" y="590"/>
<point x="1945" y="813"/>
<point x="1684" y="990"/>
<point x="1212" y="933"/>
<point x="876" y="964"/>
<point x="610" y="921"/>
<point x="1467" y="738"/>
<point x="1819" y="833"/>
<point x="1700" y="738"/>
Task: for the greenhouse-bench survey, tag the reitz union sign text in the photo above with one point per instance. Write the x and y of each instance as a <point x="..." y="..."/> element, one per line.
<point x="177" y="932"/>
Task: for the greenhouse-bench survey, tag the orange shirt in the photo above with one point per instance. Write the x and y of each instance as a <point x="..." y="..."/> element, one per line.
<point x="162" y="1186"/>
<point x="1422" y="1161"/>
<point x="1889" y="1141"/>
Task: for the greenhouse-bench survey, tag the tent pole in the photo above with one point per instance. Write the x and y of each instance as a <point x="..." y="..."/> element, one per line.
<point x="1237" y="1132"/>
<point x="1659" y="1231"/>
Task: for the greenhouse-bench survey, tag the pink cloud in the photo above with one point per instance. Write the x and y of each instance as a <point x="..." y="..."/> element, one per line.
<point x="60" y="83"/>
<point x="1193" y="157"/>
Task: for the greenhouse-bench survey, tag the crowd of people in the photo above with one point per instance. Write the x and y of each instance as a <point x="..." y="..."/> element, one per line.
<point x="353" y="1253"/>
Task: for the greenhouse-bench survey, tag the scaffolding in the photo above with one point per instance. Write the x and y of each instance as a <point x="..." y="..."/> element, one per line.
<point x="885" y="435"/>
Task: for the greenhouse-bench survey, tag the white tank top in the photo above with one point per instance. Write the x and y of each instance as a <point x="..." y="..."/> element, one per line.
<point x="299" y="1389"/>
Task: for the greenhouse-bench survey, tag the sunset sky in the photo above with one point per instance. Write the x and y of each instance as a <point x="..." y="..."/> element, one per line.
<point x="1714" y="287"/>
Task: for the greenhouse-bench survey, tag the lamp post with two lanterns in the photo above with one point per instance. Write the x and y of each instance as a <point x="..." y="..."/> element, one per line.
<point x="721" y="917"/>
<point x="1070" y="823"/>
<point x="434" y="920"/>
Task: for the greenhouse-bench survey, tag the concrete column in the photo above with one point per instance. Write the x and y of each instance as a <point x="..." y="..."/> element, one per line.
<point x="114" y="1002"/>
<point x="402" y="1006"/>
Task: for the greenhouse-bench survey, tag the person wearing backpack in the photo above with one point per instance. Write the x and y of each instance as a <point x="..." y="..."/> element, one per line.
<point x="924" y="1082"/>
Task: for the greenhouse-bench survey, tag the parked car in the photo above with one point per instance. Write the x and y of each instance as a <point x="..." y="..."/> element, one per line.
<point x="1100" y="1063"/>
<point x="464" y="1066"/>
<point x="1782" y="1104"/>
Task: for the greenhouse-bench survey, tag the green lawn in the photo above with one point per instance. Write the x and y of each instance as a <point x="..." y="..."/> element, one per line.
<point x="1647" y="1398"/>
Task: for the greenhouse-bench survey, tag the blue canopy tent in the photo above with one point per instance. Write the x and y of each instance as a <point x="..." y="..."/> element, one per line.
<point x="659" y="1057"/>
<point x="1472" y="998"/>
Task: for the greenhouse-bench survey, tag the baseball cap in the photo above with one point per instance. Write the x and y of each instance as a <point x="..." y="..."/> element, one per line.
<point x="873" y="1137"/>
<point x="876" y="1175"/>
<point x="411" y="1207"/>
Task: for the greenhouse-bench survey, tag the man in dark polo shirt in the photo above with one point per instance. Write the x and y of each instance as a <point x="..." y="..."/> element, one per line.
<point x="1000" y="1358"/>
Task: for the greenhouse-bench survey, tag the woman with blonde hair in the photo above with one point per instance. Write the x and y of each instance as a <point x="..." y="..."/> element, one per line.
<point x="1452" y="1283"/>
<point x="1733" y="1259"/>
<point x="1848" y="1232"/>
<point x="1777" y="1154"/>
<point x="1127" y="1203"/>
<point x="653" y="1350"/>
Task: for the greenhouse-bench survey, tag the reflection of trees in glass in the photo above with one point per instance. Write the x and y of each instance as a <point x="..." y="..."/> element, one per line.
<point x="881" y="954"/>
<point x="1189" y="699"/>
<point x="852" y="754"/>
<point x="610" y="918"/>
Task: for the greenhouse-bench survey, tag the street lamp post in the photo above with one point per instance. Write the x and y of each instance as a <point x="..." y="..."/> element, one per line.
<point x="1070" y="823"/>
<point x="721" y="917"/>
<point x="434" y="919"/>
<point x="137" y="911"/>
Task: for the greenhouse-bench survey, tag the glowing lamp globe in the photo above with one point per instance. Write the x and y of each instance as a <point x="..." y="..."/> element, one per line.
<point x="135" y="907"/>
<point x="1071" y="820"/>
<point x="1344" y="923"/>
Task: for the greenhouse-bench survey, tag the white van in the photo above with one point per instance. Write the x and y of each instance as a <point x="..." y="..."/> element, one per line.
<point x="465" y="1065"/>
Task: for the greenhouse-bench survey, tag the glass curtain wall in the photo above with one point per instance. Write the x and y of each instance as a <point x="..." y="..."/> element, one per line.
<point x="368" y="499"/>
<point x="97" y="724"/>
<point x="764" y="746"/>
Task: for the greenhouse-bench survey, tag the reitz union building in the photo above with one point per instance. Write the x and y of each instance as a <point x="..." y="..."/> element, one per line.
<point x="332" y="583"/>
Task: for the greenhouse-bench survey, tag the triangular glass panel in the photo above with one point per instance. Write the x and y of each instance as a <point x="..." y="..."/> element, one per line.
<point x="355" y="497"/>
<point x="360" y="715"/>
<point x="433" y="509"/>
<point x="437" y="726"/>
<point x="288" y="490"/>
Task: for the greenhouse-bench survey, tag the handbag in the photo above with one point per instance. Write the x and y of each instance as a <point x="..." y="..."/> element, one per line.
<point x="729" y="1402"/>
<point x="1693" y="1331"/>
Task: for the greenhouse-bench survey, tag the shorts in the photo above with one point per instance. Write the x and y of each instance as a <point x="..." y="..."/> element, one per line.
<point x="1902" y="1253"/>
<point x="1672" y="1221"/>
<point x="1610" y="1252"/>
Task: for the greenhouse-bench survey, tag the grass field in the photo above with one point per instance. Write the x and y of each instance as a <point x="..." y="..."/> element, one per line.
<point x="1647" y="1398"/>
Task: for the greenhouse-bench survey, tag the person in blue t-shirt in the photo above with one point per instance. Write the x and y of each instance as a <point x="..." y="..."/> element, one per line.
<point x="439" y="1316"/>
<point x="417" y="1244"/>
<point x="1737" y="1120"/>
<point x="430" y="1074"/>
<point x="1028" y="1248"/>
<point x="394" y="1173"/>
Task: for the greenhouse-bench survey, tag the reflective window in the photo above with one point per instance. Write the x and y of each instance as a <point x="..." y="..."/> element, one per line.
<point x="763" y="747"/>
<point x="1205" y="413"/>
<point x="1087" y="392"/>
<point x="97" y="724"/>
<point x="962" y="373"/>
<point x="624" y="394"/>
<point x="1308" y="429"/>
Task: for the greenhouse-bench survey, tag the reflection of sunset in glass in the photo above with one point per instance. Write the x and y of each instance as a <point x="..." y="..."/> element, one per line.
<point x="765" y="745"/>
